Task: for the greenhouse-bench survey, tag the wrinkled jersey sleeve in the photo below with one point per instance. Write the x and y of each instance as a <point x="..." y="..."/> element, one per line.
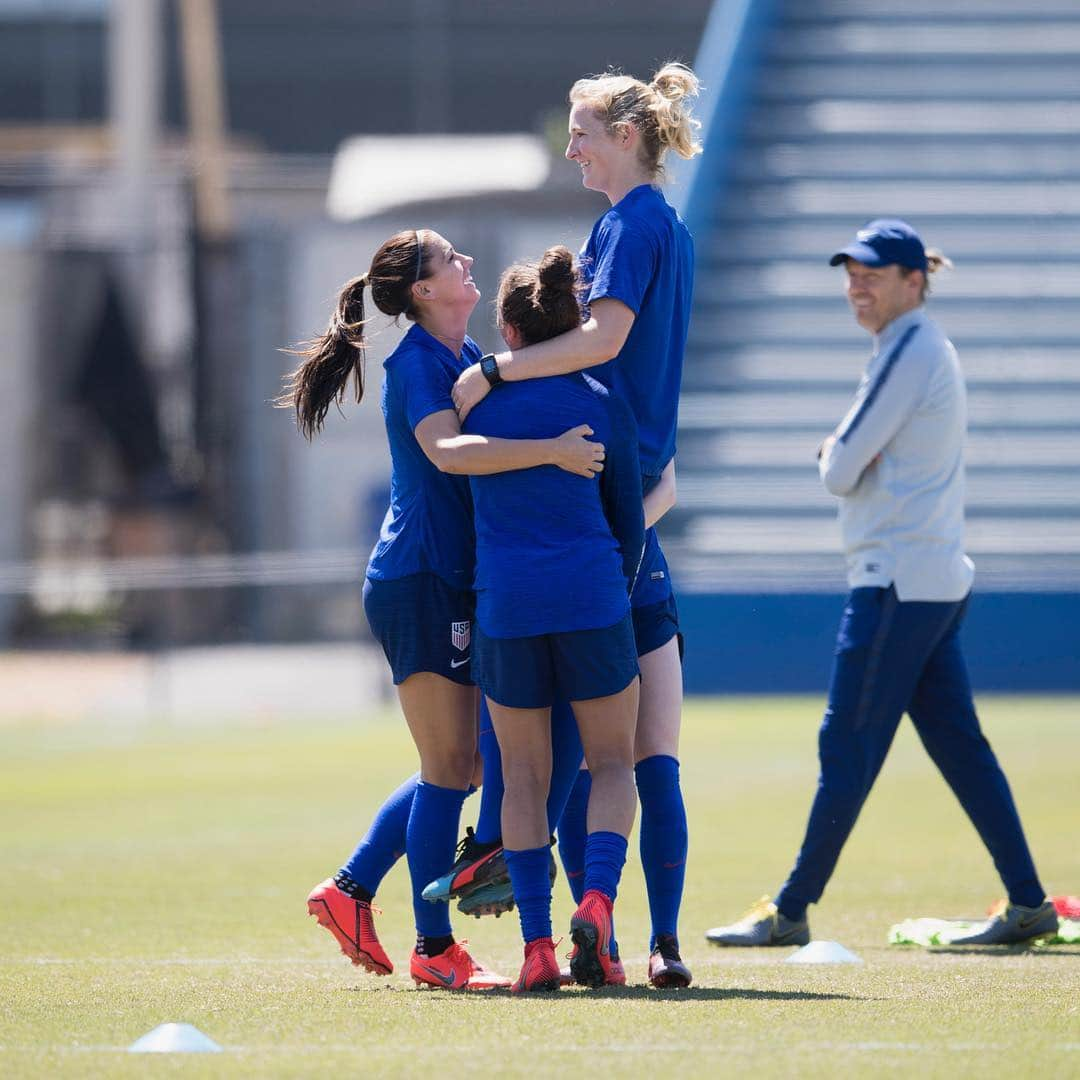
<point x="422" y="386"/>
<point x="624" y="264"/>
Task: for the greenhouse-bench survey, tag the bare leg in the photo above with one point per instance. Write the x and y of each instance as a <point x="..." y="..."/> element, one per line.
<point x="441" y="715"/>
<point x="660" y="711"/>
<point x="607" y="727"/>
<point x="525" y="743"/>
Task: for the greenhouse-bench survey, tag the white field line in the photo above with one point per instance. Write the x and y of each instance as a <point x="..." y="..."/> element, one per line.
<point x="245" y="961"/>
<point x="163" y="961"/>
<point x="618" y="1048"/>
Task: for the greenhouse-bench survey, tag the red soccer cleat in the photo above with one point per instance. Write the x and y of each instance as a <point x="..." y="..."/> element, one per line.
<point x="540" y="970"/>
<point x="592" y="962"/>
<point x="454" y="969"/>
<point x="351" y="922"/>
<point x="616" y="975"/>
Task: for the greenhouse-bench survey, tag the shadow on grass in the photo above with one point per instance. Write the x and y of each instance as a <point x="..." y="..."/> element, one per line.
<point x="1062" y="950"/>
<point x="715" y="993"/>
<point x="636" y="993"/>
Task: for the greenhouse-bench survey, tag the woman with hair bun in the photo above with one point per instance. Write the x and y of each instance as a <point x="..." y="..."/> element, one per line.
<point x="556" y="560"/>
<point x="418" y="594"/>
<point x="638" y="267"/>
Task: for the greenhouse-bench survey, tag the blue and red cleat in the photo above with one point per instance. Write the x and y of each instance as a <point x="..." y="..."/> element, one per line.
<point x="477" y="865"/>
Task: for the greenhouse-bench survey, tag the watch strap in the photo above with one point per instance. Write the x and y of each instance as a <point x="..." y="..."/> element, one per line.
<point x="490" y="369"/>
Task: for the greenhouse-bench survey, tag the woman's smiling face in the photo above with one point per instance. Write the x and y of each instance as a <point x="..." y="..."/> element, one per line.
<point x="597" y="153"/>
<point x="449" y="279"/>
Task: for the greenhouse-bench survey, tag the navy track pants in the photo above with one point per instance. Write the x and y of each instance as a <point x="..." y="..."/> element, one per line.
<point x="894" y="657"/>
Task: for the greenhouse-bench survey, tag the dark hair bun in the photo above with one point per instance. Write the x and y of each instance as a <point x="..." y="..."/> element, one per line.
<point x="556" y="270"/>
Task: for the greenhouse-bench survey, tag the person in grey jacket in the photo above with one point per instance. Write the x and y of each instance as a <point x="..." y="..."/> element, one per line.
<point x="896" y="463"/>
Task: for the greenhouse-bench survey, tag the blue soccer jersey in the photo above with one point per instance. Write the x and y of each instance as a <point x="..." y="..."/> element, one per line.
<point x="641" y="253"/>
<point x="556" y="552"/>
<point x="428" y="527"/>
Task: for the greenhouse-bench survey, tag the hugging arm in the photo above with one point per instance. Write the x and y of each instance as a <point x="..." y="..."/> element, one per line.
<point x="449" y="450"/>
<point x="595" y="341"/>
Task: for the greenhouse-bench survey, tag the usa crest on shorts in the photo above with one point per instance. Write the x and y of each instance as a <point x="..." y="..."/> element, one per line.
<point x="459" y="635"/>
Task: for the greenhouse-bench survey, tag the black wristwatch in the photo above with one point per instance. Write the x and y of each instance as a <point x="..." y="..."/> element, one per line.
<point x="490" y="367"/>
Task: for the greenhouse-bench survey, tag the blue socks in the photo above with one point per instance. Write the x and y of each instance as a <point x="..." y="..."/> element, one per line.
<point x="572" y="830"/>
<point x="384" y="842"/>
<point x="605" y="856"/>
<point x="566" y="757"/>
<point x="489" y="822"/>
<point x="532" y="891"/>
<point x="663" y="840"/>
<point x="430" y="842"/>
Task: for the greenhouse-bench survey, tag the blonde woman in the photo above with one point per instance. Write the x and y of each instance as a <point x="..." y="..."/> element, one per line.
<point x="638" y="268"/>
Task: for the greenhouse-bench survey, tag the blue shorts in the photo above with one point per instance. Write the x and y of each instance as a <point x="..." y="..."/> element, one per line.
<point x="422" y="624"/>
<point x="535" y="672"/>
<point x="656" y="624"/>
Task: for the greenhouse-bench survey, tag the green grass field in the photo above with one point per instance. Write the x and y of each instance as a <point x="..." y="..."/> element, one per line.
<point x="160" y="875"/>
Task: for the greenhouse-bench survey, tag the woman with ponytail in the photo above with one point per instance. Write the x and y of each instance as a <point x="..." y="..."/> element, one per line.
<point x="418" y="591"/>
<point x="556" y="559"/>
<point x="638" y="265"/>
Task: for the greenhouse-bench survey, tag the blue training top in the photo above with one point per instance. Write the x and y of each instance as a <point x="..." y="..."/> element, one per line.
<point x="556" y="552"/>
<point x="641" y="252"/>
<point x="428" y="526"/>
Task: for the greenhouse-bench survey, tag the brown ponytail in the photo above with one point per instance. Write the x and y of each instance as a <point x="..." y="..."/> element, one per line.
<point x="540" y="300"/>
<point x="330" y="361"/>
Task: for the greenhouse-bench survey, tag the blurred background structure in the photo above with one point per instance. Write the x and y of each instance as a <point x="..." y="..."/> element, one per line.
<point x="185" y="183"/>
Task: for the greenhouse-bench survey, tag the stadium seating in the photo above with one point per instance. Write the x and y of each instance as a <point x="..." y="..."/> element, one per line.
<point x="961" y="117"/>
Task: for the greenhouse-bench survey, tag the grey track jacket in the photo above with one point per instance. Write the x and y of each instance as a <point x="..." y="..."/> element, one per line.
<point x="897" y="465"/>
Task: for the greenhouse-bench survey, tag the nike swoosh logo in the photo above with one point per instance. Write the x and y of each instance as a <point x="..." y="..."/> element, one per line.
<point x="1024" y="924"/>
<point x="458" y="663"/>
<point x="446" y="980"/>
<point x="674" y="865"/>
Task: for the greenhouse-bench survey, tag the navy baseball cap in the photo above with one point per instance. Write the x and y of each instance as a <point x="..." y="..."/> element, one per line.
<point x="883" y="242"/>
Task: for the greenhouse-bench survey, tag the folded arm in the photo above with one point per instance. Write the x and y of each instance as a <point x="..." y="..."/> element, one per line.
<point x="870" y="425"/>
